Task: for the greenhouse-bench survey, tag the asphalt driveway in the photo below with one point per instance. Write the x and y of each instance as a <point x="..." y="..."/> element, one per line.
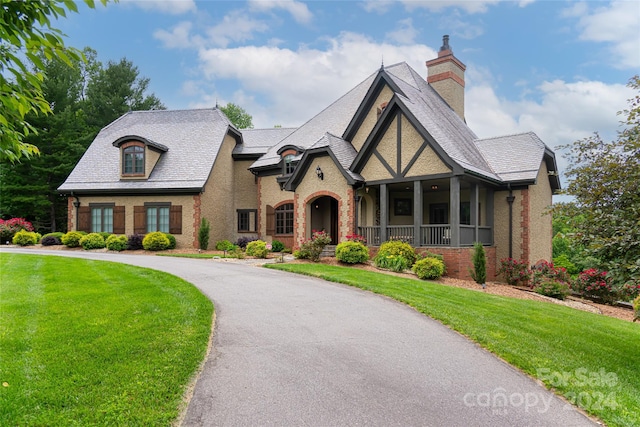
<point x="291" y="350"/>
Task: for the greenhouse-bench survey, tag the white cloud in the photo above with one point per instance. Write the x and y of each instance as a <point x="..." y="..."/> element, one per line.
<point x="405" y="34"/>
<point x="562" y="112"/>
<point x="468" y="6"/>
<point x="237" y="26"/>
<point x="300" y="83"/>
<point x="299" y="11"/>
<point x="171" y="7"/>
<point x="617" y="24"/>
<point x="378" y="6"/>
<point x="178" y="37"/>
<point x="459" y="28"/>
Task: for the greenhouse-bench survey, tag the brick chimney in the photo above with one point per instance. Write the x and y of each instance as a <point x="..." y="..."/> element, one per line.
<point x="446" y="76"/>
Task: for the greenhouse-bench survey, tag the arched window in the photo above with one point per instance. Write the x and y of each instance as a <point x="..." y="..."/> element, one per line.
<point x="284" y="219"/>
<point x="133" y="160"/>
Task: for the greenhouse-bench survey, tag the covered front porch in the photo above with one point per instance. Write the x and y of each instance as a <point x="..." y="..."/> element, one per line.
<point x="445" y="212"/>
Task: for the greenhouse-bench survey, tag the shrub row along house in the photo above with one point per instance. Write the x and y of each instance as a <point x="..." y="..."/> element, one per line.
<point x="392" y="158"/>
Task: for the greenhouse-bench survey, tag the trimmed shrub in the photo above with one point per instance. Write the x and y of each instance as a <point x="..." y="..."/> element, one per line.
<point x="57" y="234"/>
<point x="105" y="235"/>
<point x="243" y="241"/>
<point x="72" y="239"/>
<point x="428" y="268"/>
<point x="352" y="252"/>
<point x="172" y="241"/>
<point x="395" y="255"/>
<point x="116" y="243"/>
<point x="155" y="241"/>
<point x="277" y="246"/>
<point x="636" y="309"/>
<point x="225" y="245"/>
<point x="92" y="241"/>
<point x="301" y="254"/>
<point x="50" y="241"/>
<point x="553" y="289"/>
<point x="24" y="238"/>
<point x="314" y="246"/>
<point x="257" y="248"/>
<point x="11" y="226"/>
<point x="134" y="242"/>
<point x="479" y="272"/>
<point x="516" y="273"/>
<point x="203" y="234"/>
<point x="595" y="284"/>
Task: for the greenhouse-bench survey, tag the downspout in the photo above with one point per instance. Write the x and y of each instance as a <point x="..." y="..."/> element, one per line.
<point x="510" y="199"/>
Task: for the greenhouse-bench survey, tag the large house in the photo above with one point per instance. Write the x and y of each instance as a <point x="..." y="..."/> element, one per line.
<point x="393" y="158"/>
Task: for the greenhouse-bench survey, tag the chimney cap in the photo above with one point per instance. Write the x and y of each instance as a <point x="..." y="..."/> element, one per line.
<point x="445" y="43"/>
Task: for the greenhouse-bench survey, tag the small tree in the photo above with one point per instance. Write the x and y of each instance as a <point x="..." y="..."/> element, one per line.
<point x="203" y="234"/>
<point x="238" y="116"/>
<point x="604" y="178"/>
<point x="479" y="272"/>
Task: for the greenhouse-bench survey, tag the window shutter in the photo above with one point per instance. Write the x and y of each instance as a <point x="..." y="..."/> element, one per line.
<point x="139" y="220"/>
<point x="84" y="218"/>
<point x="175" y="219"/>
<point x="271" y="221"/>
<point x="118" y="220"/>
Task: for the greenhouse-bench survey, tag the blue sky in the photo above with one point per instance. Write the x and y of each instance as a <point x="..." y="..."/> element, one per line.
<point x="556" y="68"/>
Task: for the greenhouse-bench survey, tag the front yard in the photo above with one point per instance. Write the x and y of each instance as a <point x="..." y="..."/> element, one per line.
<point x="96" y="343"/>
<point x="590" y="359"/>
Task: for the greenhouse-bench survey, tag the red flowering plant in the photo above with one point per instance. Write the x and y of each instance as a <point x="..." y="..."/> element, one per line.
<point x="356" y="238"/>
<point x="515" y="272"/>
<point x="545" y="271"/>
<point x="11" y="226"/>
<point x="629" y="291"/>
<point x="593" y="283"/>
<point x="312" y="248"/>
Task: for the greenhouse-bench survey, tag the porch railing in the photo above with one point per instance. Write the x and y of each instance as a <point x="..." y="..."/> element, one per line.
<point x="430" y="235"/>
<point x="435" y="235"/>
<point x="372" y="234"/>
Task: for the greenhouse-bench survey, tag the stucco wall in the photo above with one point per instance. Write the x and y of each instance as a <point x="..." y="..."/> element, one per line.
<point x="501" y="225"/>
<point x="217" y="199"/>
<point x="428" y="163"/>
<point x="540" y="199"/>
<point x="371" y="119"/>
<point x="387" y="147"/>
<point x="269" y="195"/>
<point x="245" y="194"/>
<point x="182" y="240"/>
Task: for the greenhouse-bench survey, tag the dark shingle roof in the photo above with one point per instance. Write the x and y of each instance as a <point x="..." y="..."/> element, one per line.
<point x="258" y="141"/>
<point x="192" y="139"/>
<point x="514" y="157"/>
<point x="334" y="119"/>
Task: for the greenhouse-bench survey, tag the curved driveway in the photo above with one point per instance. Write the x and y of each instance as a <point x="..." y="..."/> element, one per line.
<point x="291" y="350"/>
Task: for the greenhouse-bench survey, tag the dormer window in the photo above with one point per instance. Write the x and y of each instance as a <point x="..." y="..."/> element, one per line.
<point x="289" y="166"/>
<point x="133" y="160"/>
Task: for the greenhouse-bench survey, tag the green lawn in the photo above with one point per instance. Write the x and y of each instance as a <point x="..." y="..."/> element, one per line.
<point x="593" y="360"/>
<point x="96" y="343"/>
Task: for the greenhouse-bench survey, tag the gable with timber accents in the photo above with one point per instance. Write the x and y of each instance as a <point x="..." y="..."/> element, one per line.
<point x="399" y="148"/>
